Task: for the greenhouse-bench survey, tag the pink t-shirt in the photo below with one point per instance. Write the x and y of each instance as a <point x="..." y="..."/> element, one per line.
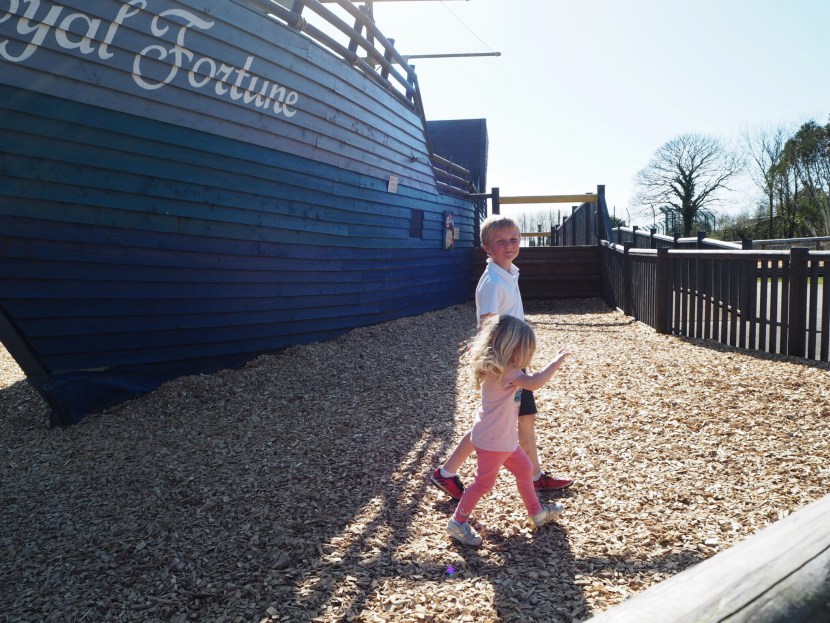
<point x="496" y="425"/>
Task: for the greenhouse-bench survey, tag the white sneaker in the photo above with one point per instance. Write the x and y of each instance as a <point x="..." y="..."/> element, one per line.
<point x="547" y="514"/>
<point x="463" y="533"/>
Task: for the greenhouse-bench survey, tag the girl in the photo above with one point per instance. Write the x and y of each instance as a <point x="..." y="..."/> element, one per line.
<point x="499" y="354"/>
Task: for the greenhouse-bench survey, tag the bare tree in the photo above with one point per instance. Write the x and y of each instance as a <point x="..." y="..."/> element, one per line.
<point x="764" y="150"/>
<point x="538" y="221"/>
<point x="687" y="173"/>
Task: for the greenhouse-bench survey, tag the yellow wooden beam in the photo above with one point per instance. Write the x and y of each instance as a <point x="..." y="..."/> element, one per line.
<point x="585" y="198"/>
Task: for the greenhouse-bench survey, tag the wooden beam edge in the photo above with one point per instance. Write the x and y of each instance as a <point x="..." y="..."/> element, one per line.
<point x="759" y="572"/>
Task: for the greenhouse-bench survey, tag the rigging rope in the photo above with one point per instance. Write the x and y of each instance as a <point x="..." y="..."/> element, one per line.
<point x="460" y="21"/>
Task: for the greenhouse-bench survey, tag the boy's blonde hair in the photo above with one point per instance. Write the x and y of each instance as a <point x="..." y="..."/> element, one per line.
<point x="503" y="343"/>
<point x="495" y="222"/>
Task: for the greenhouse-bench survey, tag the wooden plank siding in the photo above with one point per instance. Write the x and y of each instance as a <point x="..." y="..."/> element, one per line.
<point x="552" y="272"/>
<point x="181" y="225"/>
<point x="332" y="124"/>
<point x="343" y="118"/>
<point x="265" y="194"/>
<point x="463" y="142"/>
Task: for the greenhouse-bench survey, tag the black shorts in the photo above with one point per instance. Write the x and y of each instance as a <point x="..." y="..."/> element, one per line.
<point x="528" y="404"/>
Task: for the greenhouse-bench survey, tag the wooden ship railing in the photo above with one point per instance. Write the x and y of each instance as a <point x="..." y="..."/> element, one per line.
<point x="380" y="64"/>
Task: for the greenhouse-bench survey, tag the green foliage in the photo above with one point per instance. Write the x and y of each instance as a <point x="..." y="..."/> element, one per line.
<point x="791" y="169"/>
<point x="744" y="225"/>
<point x="804" y="176"/>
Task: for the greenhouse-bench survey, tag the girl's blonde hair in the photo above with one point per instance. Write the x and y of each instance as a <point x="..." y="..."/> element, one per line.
<point x="503" y="343"/>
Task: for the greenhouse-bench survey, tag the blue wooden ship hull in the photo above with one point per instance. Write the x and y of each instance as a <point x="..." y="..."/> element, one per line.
<point x="187" y="184"/>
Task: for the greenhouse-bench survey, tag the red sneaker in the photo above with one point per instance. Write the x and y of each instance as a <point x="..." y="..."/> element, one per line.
<point x="549" y="483"/>
<point x="451" y="486"/>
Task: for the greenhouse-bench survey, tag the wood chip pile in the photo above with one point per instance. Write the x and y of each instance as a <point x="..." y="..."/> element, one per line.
<point x="295" y="489"/>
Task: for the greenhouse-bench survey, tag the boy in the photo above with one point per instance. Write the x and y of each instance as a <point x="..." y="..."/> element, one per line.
<point x="498" y="293"/>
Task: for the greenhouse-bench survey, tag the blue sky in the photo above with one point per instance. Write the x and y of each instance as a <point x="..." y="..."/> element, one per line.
<point x="585" y="91"/>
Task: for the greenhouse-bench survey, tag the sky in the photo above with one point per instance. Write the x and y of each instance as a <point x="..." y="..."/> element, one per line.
<point x="584" y="92"/>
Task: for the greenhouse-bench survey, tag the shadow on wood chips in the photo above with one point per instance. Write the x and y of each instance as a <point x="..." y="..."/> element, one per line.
<point x="296" y="488"/>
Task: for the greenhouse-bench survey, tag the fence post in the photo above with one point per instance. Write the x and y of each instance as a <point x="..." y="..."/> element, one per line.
<point x="594" y="225"/>
<point x="797" y="325"/>
<point x="749" y="281"/>
<point x="701" y="236"/>
<point x="574" y="227"/>
<point x="653" y="242"/>
<point x="628" y="280"/>
<point x="609" y="232"/>
<point x="588" y="225"/>
<point x="661" y="305"/>
<point x="495" y="201"/>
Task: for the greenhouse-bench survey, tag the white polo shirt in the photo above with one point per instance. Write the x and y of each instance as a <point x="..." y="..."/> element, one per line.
<point x="497" y="292"/>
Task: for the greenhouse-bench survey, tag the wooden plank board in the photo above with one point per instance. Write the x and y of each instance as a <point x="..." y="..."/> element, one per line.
<point x="780" y="575"/>
<point x="148" y="344"/>
<point x="553" y="272"/>
<point x="25" y="238"/>
<point x="192" y="155"/>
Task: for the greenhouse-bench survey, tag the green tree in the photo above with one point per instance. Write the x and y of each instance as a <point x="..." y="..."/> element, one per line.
<point x="688" y="173"/>
<point x="736" y="227"/>
<point x="788" y="196"/>
<point x="807" y="154"/>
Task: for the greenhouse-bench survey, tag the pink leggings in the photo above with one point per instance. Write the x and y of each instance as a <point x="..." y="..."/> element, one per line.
<point x="489" y="464"/>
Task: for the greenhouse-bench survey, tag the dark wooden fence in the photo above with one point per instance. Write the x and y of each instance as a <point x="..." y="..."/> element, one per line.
<point x="773" y="301"/>
<point x="768" y="300"/>
<point x="553" y="272"/>
<point x="587" y="224"/>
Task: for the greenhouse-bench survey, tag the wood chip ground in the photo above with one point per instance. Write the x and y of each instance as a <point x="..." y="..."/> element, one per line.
<point x="295" y="489"/>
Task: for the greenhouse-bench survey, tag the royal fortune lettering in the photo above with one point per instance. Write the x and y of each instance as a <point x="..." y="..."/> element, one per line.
<point x="89" y="35"/>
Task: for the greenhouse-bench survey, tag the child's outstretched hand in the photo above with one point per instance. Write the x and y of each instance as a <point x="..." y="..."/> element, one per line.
<point x="563" y="354"/>
<point x="538" y="379"/>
